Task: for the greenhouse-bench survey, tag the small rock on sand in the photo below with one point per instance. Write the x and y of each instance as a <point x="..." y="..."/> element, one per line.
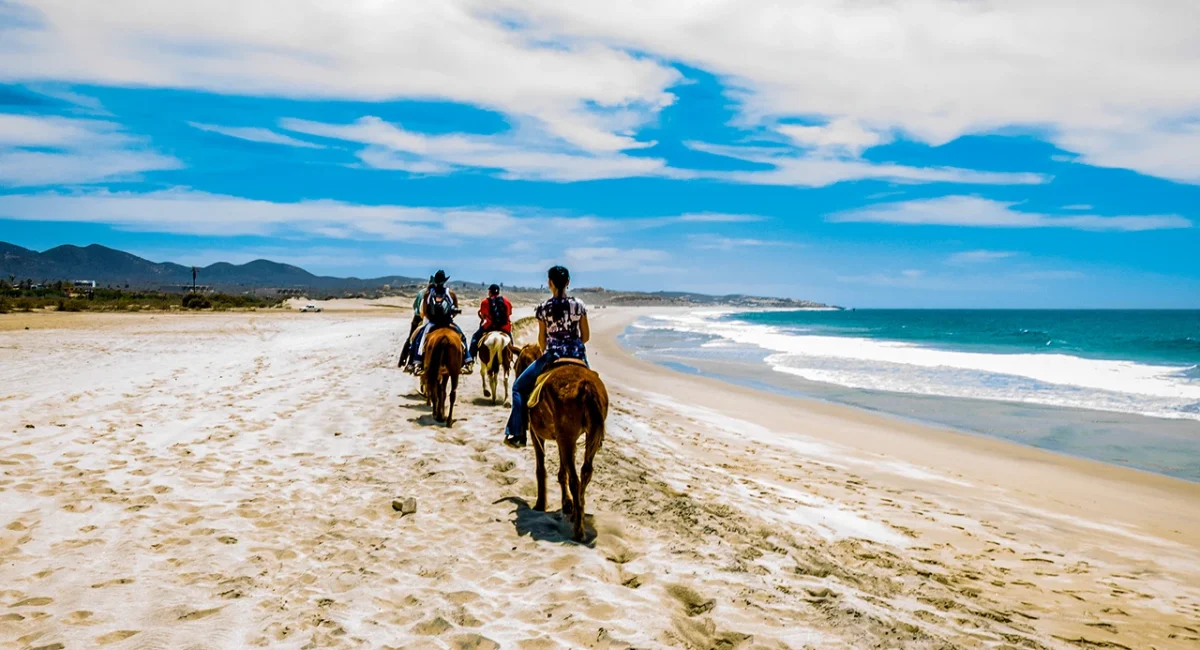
<point x="405" y="506"/>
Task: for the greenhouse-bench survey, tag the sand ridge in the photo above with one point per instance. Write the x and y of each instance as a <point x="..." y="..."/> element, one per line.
<point x="226" y="480"/>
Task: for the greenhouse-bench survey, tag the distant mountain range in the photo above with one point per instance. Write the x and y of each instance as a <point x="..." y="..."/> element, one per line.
<point x="108" y="266"/>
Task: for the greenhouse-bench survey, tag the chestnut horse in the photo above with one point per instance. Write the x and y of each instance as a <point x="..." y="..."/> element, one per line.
<point x="495" y="354"/>
<point x="443" y="363"/>
<point x="573" y="402"/>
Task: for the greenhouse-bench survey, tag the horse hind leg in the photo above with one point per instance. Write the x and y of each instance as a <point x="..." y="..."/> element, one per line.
<point x="453" y="396"/>
<point x="539" y="448"/>
<point x="566" y="457"/>
<point x="568" y="506"/>
<point x="585" y="477"/>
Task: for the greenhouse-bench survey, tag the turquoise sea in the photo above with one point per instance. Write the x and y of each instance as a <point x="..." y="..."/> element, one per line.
<point x="1118" y="386"/>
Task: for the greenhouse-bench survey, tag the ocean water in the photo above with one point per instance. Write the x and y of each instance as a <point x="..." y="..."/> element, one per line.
<point x="1117" y="386"/>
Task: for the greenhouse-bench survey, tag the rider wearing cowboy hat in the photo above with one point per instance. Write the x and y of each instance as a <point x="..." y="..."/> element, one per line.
<point x="438" y="308"/>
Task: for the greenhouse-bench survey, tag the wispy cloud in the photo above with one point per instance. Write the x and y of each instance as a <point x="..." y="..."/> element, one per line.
<point x="521" y="155"/>
<point x="971" y="211"/>
<point x="979" y="257"/>
<point x="56" y="150"/>
<point x="531" y="155"/>
<point x="255" y="134"/>
<point x="719" y="243"/>
<point x="186" y="211"/>
<point x="906" y="278"/>
<point x="718" y="217"/>
<point x="819" y="168"/>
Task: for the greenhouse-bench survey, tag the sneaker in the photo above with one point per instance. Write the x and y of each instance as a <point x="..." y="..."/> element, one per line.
<point x="514" y="442"/>
<point x="468" y="368"/>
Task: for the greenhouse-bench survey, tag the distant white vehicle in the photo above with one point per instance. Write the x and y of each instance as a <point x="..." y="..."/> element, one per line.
<point x="311" y="307"/>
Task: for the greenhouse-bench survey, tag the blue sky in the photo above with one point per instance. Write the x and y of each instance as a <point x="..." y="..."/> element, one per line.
<point x="939" y="154"/>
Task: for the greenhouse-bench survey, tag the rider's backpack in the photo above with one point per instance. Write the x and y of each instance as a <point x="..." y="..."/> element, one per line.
<point x="439" y="307"/>
<point x="498" y="312"/>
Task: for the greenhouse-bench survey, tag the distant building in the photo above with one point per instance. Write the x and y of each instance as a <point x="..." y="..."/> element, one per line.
<point x="84" y="284"/>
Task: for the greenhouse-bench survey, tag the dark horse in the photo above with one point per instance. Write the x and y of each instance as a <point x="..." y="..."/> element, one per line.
<point x="443" y="363"/>
<point x="573" y="402"/>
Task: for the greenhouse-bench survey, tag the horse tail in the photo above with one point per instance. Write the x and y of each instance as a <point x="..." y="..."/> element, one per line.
<point x="595" y="409"/>
<point x="433" y="371"/>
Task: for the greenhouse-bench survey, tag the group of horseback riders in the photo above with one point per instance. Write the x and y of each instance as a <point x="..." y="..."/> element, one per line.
<point x="562" y="333"/>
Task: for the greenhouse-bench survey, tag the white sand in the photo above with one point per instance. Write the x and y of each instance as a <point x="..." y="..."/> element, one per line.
<point x="226" y="480"/>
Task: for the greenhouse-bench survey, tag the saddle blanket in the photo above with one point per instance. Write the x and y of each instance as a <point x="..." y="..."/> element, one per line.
<point x="536" y="395"/>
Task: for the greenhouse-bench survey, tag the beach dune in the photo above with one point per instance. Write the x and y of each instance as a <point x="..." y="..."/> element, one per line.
<point x="272" y="480"/>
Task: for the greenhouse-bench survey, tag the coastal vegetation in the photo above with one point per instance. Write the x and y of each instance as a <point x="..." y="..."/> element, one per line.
<point x="63" y="296"/>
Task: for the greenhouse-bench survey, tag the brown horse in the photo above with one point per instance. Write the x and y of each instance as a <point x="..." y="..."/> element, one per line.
<point x="529" y="353"/>
<point x="443" y="363"/>
<point x="573" y="402"/>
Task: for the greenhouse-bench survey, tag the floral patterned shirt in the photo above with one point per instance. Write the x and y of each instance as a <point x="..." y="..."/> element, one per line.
<point x="562" y="317"/>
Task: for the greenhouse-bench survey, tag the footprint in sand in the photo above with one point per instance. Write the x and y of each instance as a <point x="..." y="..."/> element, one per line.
<point x="114" y="637"/>
<point x="33" y="602"/>
<point x="81" y="617"/>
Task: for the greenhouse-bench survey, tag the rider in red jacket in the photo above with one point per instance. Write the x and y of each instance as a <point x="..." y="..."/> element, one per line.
<point x="495" y="315"/>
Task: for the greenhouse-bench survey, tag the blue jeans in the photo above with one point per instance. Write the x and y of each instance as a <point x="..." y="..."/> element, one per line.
<point x="522" y="388"/>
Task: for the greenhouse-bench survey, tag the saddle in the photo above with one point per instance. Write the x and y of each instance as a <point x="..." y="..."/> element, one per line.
<point x="536" y="395"/>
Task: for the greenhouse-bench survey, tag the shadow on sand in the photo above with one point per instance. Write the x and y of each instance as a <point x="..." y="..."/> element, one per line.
<point x="547" y="526"/>
<point x="427" y="421"/>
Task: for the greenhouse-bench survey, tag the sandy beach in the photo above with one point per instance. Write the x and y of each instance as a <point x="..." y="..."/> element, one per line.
<point x="227" y="480"/>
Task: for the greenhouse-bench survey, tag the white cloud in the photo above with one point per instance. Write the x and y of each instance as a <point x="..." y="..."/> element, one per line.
<point x="934" y="70"/>
<point x="567" y="72"/>
<point x="54" y="150"/>
<point x="979" y="256"/>
<point x="58" y="132"/>
<point x="521" y="155"/>
<point x="718" y="217"/>
<point x="907" y="278"/>
<point x="842" y="136"/>
<point x="719" y="243"/>
<point x="819" y="169"/>
<point x="187" y="211"/>
<point x="583" y="92"/>
<point x="1078" y="206"/>
<point x="1159" y="150"/>
<point x="974" y="211"/>
<point x="255" y="134"/>
<point x="33" y="168"/>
